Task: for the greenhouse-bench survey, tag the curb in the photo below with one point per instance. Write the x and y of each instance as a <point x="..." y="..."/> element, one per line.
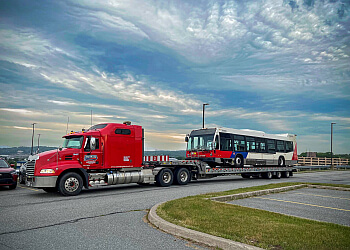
<point x="193" y="235"/>
<point x="256" y="193"/>
<point x="273" y="190"/>
<point x="215" y="241"/>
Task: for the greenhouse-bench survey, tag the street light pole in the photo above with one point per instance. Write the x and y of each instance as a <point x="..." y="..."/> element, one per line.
<point x="204" y="104"/>
<point x="332" y="123"/>
<point x="37" y="151"/>
<point x="31" y="151"/>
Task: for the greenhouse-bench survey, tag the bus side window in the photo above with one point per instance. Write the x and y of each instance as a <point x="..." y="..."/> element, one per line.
<point x="251" y="145"/>
<point x="225" y="142"/>
<point x="261" y="145"/>
<point x="239" y="143"/>
<point x="280" y="146"/>
<point x="289" y="146"/>
<point x="271" y="146"/>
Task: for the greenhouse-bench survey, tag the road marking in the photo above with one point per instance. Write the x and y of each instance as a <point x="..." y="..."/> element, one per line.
<point x="326" y="196"/>
<point x="300" y="203"/>
<point x="30" y="189"/>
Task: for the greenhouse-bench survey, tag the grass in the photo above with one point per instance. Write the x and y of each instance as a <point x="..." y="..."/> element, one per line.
<point x="252" y="226"/>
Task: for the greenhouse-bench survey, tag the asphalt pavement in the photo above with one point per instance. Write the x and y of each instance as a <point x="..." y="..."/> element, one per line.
<point x="110" y="217"/>
<point x="311" y="203"/>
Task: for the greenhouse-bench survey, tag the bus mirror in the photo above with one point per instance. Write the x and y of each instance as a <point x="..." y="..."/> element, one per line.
<point x="186" y="138"/>
<point x="92" y="143"/>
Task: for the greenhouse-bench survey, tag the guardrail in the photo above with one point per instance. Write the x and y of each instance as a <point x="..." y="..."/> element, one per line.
<point x="321" y="161"/>
<point x="305" y="168"/>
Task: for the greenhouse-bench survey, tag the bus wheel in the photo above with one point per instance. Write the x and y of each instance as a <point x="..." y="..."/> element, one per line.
<point x="182" y="176"/>
<point x="281" y="161"/>
<point x="267" y="175"/>
<point x="277" y="175"/>
<point x="245" y="176"/>
<point x="164" y="178"/>
<point x="285" y="174"/>
<point x="70" y="184"/>
<point x="239" y="161"/>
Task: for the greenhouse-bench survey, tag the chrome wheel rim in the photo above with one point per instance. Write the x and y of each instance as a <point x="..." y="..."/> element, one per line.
<point x="166" y="177"/>
<point x="183" y="176"/>
<point x="71" y="184"/>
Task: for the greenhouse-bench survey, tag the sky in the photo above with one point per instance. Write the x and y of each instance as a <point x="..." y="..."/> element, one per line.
<point x="276" y="66"/>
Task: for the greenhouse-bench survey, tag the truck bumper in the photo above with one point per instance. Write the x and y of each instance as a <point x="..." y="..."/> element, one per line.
<point x="41" y="181"/>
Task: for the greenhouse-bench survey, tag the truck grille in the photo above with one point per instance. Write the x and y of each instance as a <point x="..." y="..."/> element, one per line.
<point x="30" y="168"/>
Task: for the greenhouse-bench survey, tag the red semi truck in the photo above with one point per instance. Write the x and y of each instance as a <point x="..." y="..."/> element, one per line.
<point x="112" y="153"/>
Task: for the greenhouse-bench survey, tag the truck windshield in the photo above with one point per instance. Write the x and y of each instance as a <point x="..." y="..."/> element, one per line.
<point x="73" y="142"/>
<point x="201" y="142"/>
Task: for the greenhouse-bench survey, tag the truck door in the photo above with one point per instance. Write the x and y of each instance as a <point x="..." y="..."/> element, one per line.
<point x="92" y="156"/>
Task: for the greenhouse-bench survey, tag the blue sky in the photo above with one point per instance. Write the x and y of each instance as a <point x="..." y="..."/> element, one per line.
<point x="274" y="65"/>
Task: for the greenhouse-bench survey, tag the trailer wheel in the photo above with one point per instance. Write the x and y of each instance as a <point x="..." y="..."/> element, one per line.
<point x="182" y="176"/>
<point x="281" y="161"/>
<point x="277" y="175"/>
<point x="70" y="184"/>
<point x="285" y="174"/>
<point x="267" y="175"/>
<point x="245" y="176"/>
<point x="239" y="161"/>
<point x="164" y="178"/>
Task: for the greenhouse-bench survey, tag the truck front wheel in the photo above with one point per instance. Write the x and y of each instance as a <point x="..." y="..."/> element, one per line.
<point x="164" y="178"/>
<point x="70" y="184"/>
<point x="182" y="176"/>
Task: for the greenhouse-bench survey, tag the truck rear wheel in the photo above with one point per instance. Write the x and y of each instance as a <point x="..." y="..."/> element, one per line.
<point x="182" y="176"/>
<point x="164" y="178"/>
<point x="70" y="184"/>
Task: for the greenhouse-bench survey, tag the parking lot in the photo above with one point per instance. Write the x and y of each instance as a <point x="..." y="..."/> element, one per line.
<point x="311" y="203"/>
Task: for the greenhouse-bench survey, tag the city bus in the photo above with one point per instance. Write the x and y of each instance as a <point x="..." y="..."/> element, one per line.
<point x="241" y="148"/>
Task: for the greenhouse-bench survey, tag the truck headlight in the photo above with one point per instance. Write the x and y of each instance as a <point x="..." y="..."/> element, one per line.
<point x="47" y="171"/>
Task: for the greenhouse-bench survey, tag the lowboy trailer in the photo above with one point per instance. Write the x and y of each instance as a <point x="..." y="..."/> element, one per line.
<point x="112" y="153"/>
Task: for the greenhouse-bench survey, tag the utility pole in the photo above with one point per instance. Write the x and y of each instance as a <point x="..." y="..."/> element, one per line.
<point x="332" y="123"/>
<point x="91" y="117"/>
<point x="204" y="104"/>
<point x="31" y="151"/>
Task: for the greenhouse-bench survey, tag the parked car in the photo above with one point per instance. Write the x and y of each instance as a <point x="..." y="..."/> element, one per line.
<point x="8" y="176"/>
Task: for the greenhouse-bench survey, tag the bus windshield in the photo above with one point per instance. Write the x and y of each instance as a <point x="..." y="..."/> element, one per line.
<point x="201" y="142"/>
<point x="73" y="142"/>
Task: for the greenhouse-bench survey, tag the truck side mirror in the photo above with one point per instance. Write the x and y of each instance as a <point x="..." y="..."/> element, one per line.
<point x="186" y="138"/>
<point x="92" y="143"/>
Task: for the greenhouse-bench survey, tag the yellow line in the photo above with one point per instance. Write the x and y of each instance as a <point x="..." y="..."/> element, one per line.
<point x="30" y="189"/>
<point x="326" y="196"/>
<point x="300" y="203"/>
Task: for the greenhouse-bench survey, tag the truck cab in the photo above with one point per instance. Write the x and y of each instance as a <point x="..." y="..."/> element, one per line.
<point x="103" y="148"/>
